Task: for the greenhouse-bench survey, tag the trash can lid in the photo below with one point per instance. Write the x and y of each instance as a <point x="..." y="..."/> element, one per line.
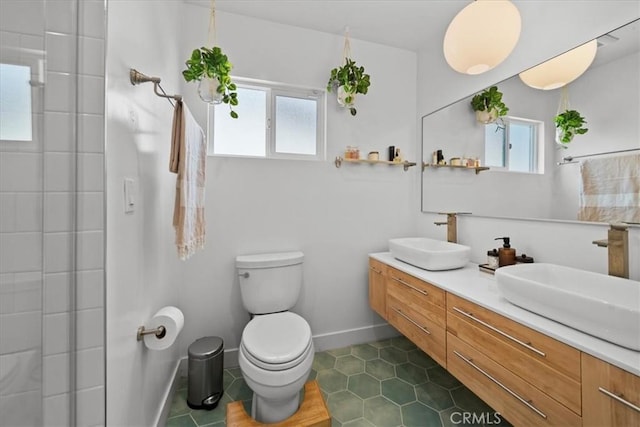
<point x="204" y="348"/>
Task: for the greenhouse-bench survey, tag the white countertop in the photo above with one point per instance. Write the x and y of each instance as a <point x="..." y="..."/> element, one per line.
<point x="481" y="288"/>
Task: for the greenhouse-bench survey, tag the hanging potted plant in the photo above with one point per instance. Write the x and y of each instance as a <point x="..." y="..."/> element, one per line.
<point x="488" y="105"/>
<point x="568" y="124"/>
<point x="347" y="81"/>
<point x="211" y="68"/>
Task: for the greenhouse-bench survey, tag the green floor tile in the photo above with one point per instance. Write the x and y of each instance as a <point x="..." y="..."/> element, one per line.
<point x="381" y="412"/>
<point x="364" y="386"/>
<point x="398" y="391"/>
<point x="358" y="423"/>
<point x="380" y="369"/>
<point x="181" y="421"/>
<point x="403" y="343"/>
<point x="345" y="406"/>
<point x="203" y="417"/>
<point x="349" y="365"/>
<point x="420" y="358"/>
<point x="239" y="390"/>
<point x="380" y="344"/>
<point x="359" y="383"/>
<point x="179" y="404"/>
<point x="227" y="379"/>
<point x="440" y="376"/>
<point x="467" y="400"/>
<point x="331" y="380"/>
<point x="393" y="355"/>
<point x="417" y="415"/>
<point x="411" y="373"/>
<point x="434" y="396"/>
<point x="323" y="360"/>
<point x="340" y="351"/>
<point x="365" y="351"/>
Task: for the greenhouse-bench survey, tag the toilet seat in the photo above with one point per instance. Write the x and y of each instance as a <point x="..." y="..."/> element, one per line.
<point x="276" y="341"/>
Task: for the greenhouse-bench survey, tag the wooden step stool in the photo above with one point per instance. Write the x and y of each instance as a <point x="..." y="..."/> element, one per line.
<point x="313" y="412"/>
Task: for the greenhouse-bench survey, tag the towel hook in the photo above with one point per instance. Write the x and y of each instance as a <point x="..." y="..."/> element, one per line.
<point x="136" y="78"/>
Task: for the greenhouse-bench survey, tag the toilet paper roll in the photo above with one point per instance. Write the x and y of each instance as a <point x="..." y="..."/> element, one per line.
<point x="172" y="319"/>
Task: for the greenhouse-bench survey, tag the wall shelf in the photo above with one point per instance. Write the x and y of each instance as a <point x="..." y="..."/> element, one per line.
<point x="478" y="169"/>
<point x="339" y="160"/>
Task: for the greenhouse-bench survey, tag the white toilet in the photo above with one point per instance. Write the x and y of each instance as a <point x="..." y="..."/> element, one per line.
<point x="276" y="350"/>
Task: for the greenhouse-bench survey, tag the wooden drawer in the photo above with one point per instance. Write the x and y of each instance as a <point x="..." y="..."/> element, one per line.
<point x="422" y="326"/>
<point x="549" y="365"/>
<point x="610" y="395"/>
<point x="377" y="287"/>
<point x="421" y="291"/>
<point x="508" y="394"/>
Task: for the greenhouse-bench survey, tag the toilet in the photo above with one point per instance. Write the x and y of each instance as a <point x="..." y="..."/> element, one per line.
<point x="276" y="350"/>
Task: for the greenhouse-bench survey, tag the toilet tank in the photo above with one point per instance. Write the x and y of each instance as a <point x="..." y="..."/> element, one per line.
<point x="270" y="282"/>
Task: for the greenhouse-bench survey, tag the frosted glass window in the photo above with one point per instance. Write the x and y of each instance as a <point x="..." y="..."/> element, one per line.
<point x="246" y="135"/>
<point x="295" y="125"/>
<point x="15" y="103"/>
<point x="275" y="120"/>
<point x="515" y="145"/>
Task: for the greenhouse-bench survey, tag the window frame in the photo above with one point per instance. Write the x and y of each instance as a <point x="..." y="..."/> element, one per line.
<point x="272" y="90"/>
<point x="536" y="150"/>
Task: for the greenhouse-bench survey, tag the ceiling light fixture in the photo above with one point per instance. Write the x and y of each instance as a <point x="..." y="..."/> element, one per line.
<point x="561" y="70"/>
<point x="482" y="35"/>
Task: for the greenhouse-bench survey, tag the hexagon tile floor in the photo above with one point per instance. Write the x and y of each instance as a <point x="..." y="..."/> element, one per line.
<point x="383" y="383"/>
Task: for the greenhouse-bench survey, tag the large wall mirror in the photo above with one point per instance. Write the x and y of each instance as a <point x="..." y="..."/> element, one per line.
<point x="539" y="178"/>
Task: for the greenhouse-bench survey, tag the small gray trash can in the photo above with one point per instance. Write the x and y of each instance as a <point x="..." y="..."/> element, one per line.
<point x="205" y="365"/>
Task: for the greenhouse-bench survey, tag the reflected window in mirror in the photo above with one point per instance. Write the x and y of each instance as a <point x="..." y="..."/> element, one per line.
<point x="515" y="145"/>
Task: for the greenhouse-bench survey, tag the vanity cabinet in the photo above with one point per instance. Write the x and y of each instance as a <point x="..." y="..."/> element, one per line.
<point x="417" y="309"/>
<point x="528" y="377"/>
<point x="547" y="364"/>
<point x="610" y="395"/>
<point x="378" y="287"/>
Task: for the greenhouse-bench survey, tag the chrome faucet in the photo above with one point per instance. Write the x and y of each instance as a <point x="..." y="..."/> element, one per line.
<point x="452" y="226"/>
<point x="617" y="243"/>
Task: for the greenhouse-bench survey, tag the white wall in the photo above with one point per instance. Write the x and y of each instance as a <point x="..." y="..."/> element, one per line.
<point x="141" y="263"/>
<point x="335" y="216"/>
<point x="548" y="29"/>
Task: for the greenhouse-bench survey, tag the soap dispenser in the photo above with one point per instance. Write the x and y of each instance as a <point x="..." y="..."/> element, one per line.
<point x="506" y="254"/>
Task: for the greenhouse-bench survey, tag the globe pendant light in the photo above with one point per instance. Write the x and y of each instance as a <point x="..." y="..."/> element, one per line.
<point x="561" y="70"/>
<point x="482" y="35"/>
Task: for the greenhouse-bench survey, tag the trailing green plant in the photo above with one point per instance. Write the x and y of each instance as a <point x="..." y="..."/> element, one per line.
<point x="352" y="79"/>
<point x="213" y="64"/>
<point x="488" y="100"/>
<point x="569" y="123"/>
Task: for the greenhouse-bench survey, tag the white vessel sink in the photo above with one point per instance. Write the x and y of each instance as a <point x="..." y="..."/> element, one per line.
<point x="430" y="254"/>
<point x="604" y="306"/>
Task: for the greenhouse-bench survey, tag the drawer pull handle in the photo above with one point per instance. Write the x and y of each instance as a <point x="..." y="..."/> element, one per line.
<point x="423" y="292"/>
<point x="375" y="270"/>
<point x="426" y="331"/>
<point x="505" y="388"/>
<point x="504" y="334"/>
<point x="619" y="399"/>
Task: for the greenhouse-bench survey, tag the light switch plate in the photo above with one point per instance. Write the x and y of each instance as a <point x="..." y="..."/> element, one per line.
<point x="129" y="195"/>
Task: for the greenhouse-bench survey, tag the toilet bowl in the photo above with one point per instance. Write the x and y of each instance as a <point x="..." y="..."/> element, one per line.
<point x="276" y="350"/>
<point x="275" y="357"/>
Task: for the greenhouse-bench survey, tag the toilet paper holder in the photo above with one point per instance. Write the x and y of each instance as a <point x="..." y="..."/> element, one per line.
<point x="159" y="332"/>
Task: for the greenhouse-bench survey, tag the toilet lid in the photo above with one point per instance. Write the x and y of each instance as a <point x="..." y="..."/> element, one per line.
<point x="276" y="338"/>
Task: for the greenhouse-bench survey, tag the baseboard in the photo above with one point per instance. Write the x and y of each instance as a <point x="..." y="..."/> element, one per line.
<point x="163" y="415"/>
<point x="333" y="340"/>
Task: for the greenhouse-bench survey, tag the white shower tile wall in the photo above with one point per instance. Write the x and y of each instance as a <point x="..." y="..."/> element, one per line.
<point x="52" y="205"/>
